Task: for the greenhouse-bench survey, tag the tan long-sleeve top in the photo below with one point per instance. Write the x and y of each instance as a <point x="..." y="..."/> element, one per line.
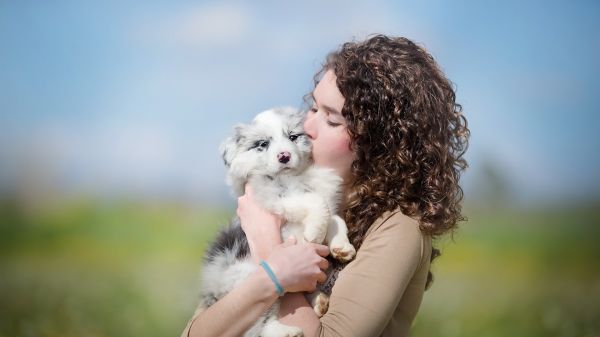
<point x="380" y="291"/>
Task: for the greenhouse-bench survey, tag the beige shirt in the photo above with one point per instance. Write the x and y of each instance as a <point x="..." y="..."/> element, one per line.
<point x="380" y="291"/>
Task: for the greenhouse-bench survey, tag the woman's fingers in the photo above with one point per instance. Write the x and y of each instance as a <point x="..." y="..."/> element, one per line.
<point x="323" y="264"/>
<point x="322" y="277"/>
<point x="320" y="249"/>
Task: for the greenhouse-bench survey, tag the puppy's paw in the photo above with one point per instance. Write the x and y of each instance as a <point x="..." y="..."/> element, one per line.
<point x="293" y="331"/>
<point x="275" y="328"/>
<point x="342" y="251"/>
<point x="321" y="304"/>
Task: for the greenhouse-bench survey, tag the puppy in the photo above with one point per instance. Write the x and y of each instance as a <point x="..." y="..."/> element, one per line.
<point x="273" y="155"/>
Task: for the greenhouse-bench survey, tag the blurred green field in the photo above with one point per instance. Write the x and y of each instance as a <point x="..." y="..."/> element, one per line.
<point x="88" y="268"/>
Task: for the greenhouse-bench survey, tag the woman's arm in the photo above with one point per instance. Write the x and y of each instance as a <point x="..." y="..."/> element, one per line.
<point x="297" y="268"/>
<point x="235" y="313"/>
<point x="263" y="230"/>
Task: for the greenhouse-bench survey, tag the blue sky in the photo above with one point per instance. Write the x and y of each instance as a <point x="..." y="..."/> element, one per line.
<point x="113" y="98"/>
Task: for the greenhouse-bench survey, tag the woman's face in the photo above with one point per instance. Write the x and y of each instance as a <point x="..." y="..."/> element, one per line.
<point x="326" y="127"/>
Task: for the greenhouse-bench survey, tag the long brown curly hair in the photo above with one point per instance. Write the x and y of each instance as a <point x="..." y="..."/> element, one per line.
<point x="407" y="131"/>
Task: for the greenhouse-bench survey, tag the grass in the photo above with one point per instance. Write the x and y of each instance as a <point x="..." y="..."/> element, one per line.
<point x="527" y="273"/>
<point x="88" y="268"/>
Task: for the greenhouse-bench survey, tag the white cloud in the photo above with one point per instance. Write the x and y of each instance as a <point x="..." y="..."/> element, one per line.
<point x="214" y="25"/>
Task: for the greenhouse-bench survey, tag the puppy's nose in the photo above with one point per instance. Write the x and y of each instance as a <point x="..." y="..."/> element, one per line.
<point x="284" y="157"/>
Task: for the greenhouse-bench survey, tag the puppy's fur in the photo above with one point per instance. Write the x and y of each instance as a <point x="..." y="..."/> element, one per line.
<point x="273" y="155"/>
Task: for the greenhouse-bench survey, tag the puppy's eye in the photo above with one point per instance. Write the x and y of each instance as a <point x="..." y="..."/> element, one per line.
<point x="261" y="144"/>
<point x="293" y="137"/>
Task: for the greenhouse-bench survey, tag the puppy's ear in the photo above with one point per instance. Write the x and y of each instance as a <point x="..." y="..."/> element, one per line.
<point x="290" y="112"/>
<point x="294" y="117"/>
<point x="230" y="147"/>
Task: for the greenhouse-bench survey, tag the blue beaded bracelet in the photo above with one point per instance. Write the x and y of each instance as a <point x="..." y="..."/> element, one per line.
<point x="278" y="286"/>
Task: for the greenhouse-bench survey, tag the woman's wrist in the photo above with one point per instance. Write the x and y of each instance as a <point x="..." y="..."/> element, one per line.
<point x="264" y="285"/>
<point x="273" y="277"/>
<point x="261" y="250"/>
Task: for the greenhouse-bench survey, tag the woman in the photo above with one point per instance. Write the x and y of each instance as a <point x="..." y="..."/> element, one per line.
<point x="385" y="118"/>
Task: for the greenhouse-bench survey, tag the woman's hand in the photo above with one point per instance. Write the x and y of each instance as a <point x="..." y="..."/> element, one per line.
<point x="299" y="267"/>
<point x="262" y="228"/>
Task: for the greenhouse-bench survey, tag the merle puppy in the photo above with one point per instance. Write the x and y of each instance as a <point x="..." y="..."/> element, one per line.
<point x="273" y="155"/>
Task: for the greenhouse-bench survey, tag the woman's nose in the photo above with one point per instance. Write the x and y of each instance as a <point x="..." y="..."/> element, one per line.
<point x="309" y="128"/>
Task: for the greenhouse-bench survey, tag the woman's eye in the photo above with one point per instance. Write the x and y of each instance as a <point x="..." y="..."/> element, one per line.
<point x="333" y="124"/>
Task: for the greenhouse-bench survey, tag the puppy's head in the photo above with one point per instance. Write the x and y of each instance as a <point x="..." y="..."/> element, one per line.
<point x="274" y="143"/>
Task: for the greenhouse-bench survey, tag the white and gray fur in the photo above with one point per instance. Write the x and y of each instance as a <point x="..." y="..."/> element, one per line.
<point x="273" y="155"/>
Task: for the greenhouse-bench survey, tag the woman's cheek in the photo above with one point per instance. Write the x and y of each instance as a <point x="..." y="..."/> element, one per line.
<point x="337" y="154"/>
<point x="341" y="145"/>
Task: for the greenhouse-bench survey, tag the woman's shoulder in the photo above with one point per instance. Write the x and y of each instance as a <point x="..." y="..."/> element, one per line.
<point x="395" y="221"/>
<point x="397" y="229"/>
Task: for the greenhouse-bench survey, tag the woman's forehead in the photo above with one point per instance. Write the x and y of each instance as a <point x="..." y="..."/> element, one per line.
<point x="327" y="93"/>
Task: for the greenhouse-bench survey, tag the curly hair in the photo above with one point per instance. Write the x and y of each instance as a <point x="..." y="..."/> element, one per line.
<point x="407" y="131"/>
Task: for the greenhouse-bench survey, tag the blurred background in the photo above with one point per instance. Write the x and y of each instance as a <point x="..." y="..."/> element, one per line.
<point x="111" y="184"/>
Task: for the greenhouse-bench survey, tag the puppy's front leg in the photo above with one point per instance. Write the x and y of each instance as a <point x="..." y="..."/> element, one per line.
<point x="316" y="221"/>
<point x="311" y="211"/>
<point x="337" y="239"/>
